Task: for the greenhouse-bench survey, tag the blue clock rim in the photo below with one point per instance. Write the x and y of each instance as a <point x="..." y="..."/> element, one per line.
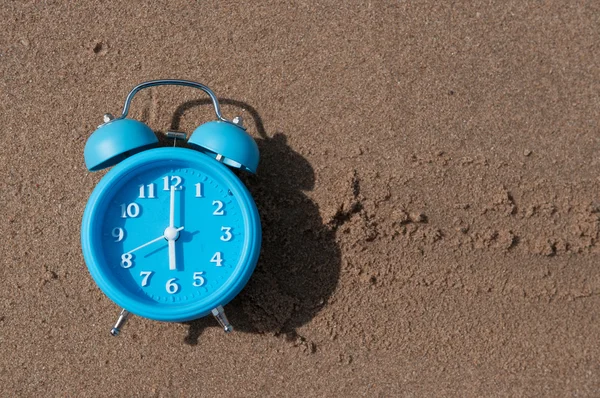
<point x="197" y="309"/>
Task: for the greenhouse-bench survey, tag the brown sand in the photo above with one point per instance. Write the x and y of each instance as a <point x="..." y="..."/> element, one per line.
<point x="429" y="192"/>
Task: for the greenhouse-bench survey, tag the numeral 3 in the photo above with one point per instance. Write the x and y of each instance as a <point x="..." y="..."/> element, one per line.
<point x="227" y="237"/>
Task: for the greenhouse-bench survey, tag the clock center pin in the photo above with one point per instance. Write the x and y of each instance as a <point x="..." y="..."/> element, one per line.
<point x="171" y="233"/>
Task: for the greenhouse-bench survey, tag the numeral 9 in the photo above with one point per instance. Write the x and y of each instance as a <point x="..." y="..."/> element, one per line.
<point x="118" y="234"/>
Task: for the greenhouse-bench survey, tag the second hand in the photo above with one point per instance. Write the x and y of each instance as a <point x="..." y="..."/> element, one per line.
<point x="151" y="242"/>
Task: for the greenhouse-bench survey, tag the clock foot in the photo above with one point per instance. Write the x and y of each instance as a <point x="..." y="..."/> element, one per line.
<point x="219" y="314"/>
<point x="123" y="317"/>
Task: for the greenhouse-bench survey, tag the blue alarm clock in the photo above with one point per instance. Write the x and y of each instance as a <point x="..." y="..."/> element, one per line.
<point x="171" y="234"/>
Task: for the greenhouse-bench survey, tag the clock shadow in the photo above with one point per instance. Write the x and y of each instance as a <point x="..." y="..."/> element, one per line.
<point x="299" y="265"/>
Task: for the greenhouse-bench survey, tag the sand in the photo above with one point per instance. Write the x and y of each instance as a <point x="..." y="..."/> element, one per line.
<point x="428" y="189"/>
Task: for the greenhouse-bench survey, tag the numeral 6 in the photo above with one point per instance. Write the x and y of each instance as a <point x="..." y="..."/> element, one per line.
<point x="171" y="286"/>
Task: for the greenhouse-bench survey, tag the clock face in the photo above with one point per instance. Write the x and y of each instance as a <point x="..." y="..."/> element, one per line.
<point x="170" y="234"/>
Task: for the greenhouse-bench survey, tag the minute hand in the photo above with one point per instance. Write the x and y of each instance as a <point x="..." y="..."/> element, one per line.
<point x="172" y="208"/>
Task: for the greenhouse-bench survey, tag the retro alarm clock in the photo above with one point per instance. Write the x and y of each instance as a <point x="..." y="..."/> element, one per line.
<point x="171" y="234"/>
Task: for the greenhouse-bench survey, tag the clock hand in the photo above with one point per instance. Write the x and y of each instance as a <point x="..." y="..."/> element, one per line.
<point x="152" y="241"/>
<point x="172" y="208"/>
<point x="172" y="260"/>
<point x="172" y="236"/>
<point x="146" y="244"/>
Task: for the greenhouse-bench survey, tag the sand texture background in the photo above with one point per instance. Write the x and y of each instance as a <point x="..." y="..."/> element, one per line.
<point x="429" y="192"/>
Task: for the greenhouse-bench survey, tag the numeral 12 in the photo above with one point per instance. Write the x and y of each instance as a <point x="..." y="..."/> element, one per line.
<point x="175" y="180"/>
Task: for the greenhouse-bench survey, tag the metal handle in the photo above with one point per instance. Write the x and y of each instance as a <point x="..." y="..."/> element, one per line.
<point x="172" y="82"/>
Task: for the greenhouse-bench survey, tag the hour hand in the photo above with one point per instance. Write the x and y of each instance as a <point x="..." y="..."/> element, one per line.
<point x="172" y="259"/>
<point x="171" y="235"/>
